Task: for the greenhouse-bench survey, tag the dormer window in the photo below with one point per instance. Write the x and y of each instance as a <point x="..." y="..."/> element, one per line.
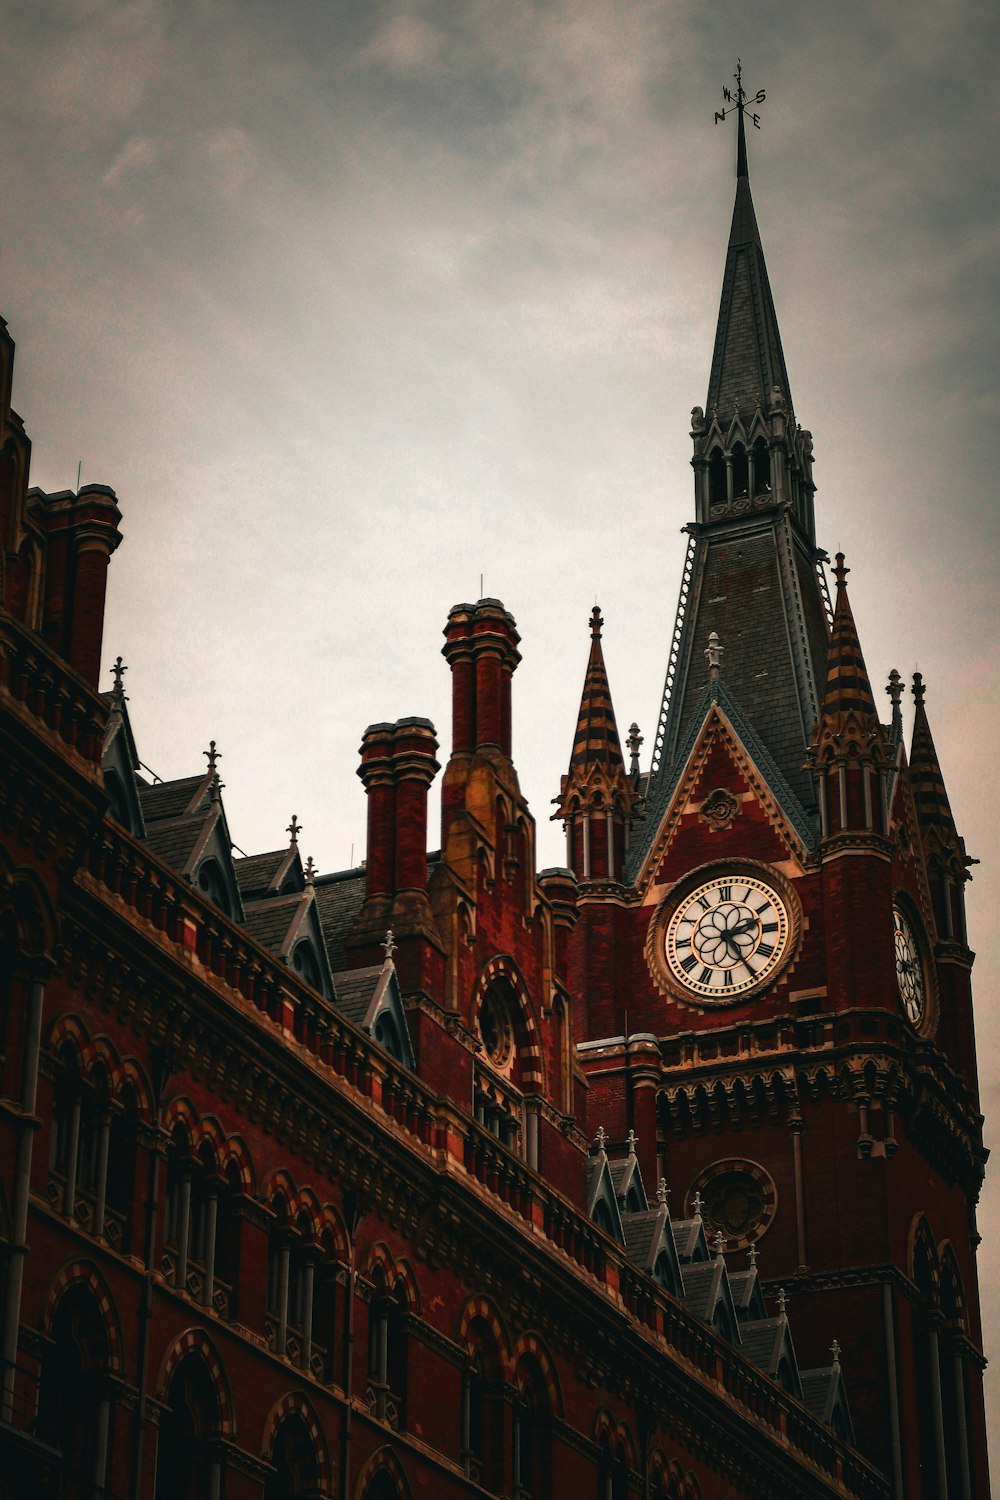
<point x="305" y="964"/>
<point x="212" y="882"/>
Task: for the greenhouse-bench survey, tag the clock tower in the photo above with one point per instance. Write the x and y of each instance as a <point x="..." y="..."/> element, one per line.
<point x="772" y="978"/>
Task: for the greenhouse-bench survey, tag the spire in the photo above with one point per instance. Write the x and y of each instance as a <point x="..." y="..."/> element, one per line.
<point x="930" y="798"/>
<point x="748" y="362"/>
<point x="596" y="738"/>
<point x="848" y="690"/>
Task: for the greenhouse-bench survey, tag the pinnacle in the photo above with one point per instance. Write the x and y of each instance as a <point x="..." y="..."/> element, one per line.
<point x="596" y="738"/>
<point x="848" y="690"/>
<point x="929" y="795"/>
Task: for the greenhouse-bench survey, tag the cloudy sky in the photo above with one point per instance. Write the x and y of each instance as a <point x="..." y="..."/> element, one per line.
<point x="357" y="301"/>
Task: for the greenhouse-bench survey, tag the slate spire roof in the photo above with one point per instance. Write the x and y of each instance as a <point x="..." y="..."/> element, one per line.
<point x="748" y="360"/>
<point x="848" y="689"/>
<point x="929" y="796"/>
<point x="596" y="739"/>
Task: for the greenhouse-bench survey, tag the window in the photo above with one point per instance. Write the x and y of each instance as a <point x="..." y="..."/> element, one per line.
<point x="387" y="1353"/>
<point x="74" y="1405"/>
<point x="718" y="492"/>
<point x="741" y="471"/>
<point x="188" y="1466"/>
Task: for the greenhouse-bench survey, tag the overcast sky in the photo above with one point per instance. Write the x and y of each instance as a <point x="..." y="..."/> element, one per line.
<point x="353" y="303"/>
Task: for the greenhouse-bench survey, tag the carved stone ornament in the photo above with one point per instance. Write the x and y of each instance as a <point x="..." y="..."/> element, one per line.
<point x="739" y="1200"/>
<point x="719" y="809"/>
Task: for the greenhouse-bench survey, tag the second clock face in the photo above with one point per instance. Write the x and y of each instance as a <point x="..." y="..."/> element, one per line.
<point x="909" y="968"/>
<point x="727" y="936"/>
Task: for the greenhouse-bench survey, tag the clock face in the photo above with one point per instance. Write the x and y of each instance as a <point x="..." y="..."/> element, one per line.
<point x="909" y="968"/>
<point x="727" y="936"/>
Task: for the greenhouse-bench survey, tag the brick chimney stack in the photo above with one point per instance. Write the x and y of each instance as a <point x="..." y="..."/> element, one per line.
<point x="481" y="648"/>
<point x="376" y="772"/>
<point x="414" y="745"/>
<point x="82" y="532"/>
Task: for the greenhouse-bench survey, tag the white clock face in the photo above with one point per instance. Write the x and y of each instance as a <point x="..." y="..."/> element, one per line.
<point x="909" y="968"/>
<point x="727" y="937"/>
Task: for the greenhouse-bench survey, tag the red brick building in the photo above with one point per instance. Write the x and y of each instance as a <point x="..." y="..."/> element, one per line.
<point x="445" y="1176"/>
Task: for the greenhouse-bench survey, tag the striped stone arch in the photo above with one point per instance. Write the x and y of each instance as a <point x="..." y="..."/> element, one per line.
<point x="295" y="1403"/>
<point x="530" y="1345"/>
<point x="197" y="1341"/>
<point x="211" y="1131"/>
<point x="83" y="1273"/>
<point x="130" y="1072"/>
<point x="180" y="1111"/>
<point x="481" y="1310"/>
<point x="236" y="1151"/>
<point x="330" y="1219"/>
<point x="503" y="967"/>
<point x="101" y="1051"/>
<point x="396" y="1272"/>
<point x="279" y="1183"/>
<point x="25" y="904"/>
<point x="616" y="1432"/>
<point x="382" y="1461"/>
<point x="951" y="1287"/>
<point x="68" y="1030"/>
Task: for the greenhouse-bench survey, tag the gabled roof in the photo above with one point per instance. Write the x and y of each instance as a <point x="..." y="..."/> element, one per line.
<point x="689" y="1239"/>
<point x="650" y="1243"/>
<point x="716" y="698"/>
<point x="173" y="799"/>
<point x="370" y="998"/>
<point x="174" y="840"/>
<point x="119" y="763"/>
<point x="627" y="1180"/>
<point x="825" y="1395"/>
<point x="707" y="1293"/>
<point x="768" y="1342"/>
<point x="747" y="1295"/>
<point x="339" y="898"/>
<point x="602" y="1201"/>
<point x="264" y="874"/>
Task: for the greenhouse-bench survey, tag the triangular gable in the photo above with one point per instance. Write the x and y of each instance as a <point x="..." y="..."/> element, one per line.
<point x="825" y="1395"/>
<point x="650" y="1243"/>
<point x="282" y="923"/>
<point x="768" y="1342"/>
<point x="747" y="1295"/>
<point x="721" y="728"/>
<point x="214" y="843"/>
<point x="628" y="1186"/>
<point x="689" y="1238"/>
<point x="708" y="1295"/>
<point x="602" y="1201"/>
<point x="119" y="763"/>
<point x="372" y="1000"/>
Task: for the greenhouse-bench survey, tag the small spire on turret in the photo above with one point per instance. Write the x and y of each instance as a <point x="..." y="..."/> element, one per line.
<point x="895" y="690"/>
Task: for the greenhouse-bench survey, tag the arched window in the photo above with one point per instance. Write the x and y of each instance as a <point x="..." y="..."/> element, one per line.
<point x="296" y="1472"/>
<point x="482" y="1395"/>
<point x="531" y="1456"/>
<point x="387" y="1352"/>
<point x="304" y="962"/>
<point x="188" y="1465"/>
<point x="74" y="1397"/>
<point x="741" y="471"/>
<point x="121" y="1184"/>
<point x="612" y="1470"/>
<point x="718" y="492"/>
<point x="212" y="881"/>
<point x="192" y="1221"/>
<point x="761" y="467"/>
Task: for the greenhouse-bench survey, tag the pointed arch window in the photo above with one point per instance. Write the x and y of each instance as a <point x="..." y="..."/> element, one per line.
<point x="531" y="1434"/>
<point x="718" y="488"/>
<point x="212" y="881"/>
<point x="296" y="1472"/>
<point x="75" y="1406"/>
<point x="387" y="1353"/>
<point x="188" y="1464"/>
<point x="761" y="467"/>
<point x="741" y="471"/>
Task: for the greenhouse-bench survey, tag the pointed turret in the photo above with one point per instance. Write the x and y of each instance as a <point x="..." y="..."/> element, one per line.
<point x="748" y="361"/>
<point x="849" y="749"/>
<point x="944" y="848"/>
<point x="597" y="795"/>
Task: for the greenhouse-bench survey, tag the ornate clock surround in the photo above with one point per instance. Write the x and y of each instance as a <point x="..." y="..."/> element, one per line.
<point x="664" y="976"/>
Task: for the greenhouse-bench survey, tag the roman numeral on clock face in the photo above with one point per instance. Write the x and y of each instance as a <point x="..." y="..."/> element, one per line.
<point x="726" y="937"/>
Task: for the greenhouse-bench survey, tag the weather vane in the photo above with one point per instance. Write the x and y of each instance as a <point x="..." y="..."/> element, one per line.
<point x="740" y="100"/>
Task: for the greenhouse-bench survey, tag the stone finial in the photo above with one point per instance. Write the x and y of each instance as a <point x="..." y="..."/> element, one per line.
<point x="662" y="1192"/>
<point x="782" y="1304"/>
<point x="719" y="1243"/>
<point x="841" y="570"/>
<point x="895" y="690"/>
<point x="713" y="655"/>
<point x="601" y="1138"/>
<point x="630" y="1140"/>
<point x="293" y="830"/>
<point x="596" y="622"/>
<point x="213" y="757"/>
<point x="390" y="947"/>
<point x="633" y="745"/>
<point x="752" y="1257"/>
<point x="835" y="1351"/>
<point x="310" y="871"/>
<point x="696" y="1206"/>
<point x="118" y="672"/>
<point x="918" y="688"/>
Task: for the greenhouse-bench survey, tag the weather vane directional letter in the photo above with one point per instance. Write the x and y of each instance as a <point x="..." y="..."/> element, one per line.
<point x="740" y="100"/>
